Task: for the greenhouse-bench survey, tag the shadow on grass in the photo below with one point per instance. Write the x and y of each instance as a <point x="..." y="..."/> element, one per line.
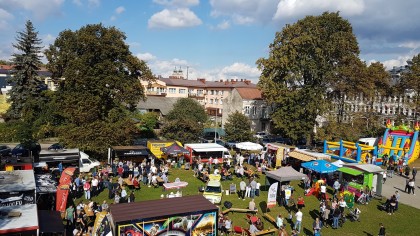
<point x="263" y="206"/>
<point x="307" y="231"/>
<point x="314" y="214"/>
<point x="367" y="234"/>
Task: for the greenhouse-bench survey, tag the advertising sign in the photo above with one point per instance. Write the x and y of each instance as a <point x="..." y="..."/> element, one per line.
<point x="17" y="198"/>
<point x="185" y="225"/>
<point x="272" y="195"/>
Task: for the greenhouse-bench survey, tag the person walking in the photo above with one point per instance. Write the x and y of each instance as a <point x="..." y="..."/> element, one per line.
<point x="414" y="172"/>
<point x="298" y="224"/>
<point x="411" y="185"/>
<point x="384" y="175"/>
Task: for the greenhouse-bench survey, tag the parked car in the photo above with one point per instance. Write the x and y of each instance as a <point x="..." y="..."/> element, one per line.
<point x="56" y="146"/>
<point x="266" y="140"/>
<point x="231" y="144"/>
<point x="22" y="150"/>
<point x="5" y="151"/>
<point x="261" y="135"/>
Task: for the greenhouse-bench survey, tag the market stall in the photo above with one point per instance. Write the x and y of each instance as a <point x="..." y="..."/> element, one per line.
<point x="19" y="220"/>
<point x="129" y="153"/>
<point x="284" y="174"/>
<point x="50" y="223"/>
<point x="279" y="153"/>
<point x="190" y="215"/>
<point x="320" y="166"/>
<point x="372" y="177"/>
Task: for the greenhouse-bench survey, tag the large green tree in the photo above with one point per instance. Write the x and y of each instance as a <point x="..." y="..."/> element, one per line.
<point x="410" y="83"/>
<point x="98" y="88"/>
<point x="305" y="60"/>
<point x="185" y="121"/>
<point x="26" y="88"/>
<point x="238" y="127"/>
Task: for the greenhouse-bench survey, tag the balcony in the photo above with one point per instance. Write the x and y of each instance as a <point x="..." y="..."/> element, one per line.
<point x="196" y="95"/>
<point x="155" y="93"/>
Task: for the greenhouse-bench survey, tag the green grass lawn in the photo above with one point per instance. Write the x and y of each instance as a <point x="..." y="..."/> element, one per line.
<point x="403" y="222"/>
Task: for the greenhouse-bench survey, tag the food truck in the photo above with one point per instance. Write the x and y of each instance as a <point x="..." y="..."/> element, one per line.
<point x="155" y="146"/>
<point x="361" y="175"/>
<point x="206" y="150"/>
<point x="184" y="216"/>
<point x="17" y="203"/>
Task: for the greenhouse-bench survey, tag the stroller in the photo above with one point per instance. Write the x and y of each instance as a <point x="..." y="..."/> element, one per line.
<point x="354" y="215"/>
<point x="362" y="199"/>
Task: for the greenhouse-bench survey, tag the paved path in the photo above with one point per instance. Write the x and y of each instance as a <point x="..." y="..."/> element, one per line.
<point x="398" y="183"/>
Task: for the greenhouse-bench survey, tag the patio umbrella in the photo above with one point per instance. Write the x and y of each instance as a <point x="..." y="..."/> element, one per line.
<point x="249" y="146"/>
<point x="174" y="150"/>
<point x="320" y="166"/>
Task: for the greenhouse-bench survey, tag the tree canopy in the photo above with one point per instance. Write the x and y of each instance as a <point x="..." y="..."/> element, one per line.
<point x="98" y="88"/>
<point x="238" y="127"/>
<point x="26" y="90"/>
<point x="410" y="82"/>
<point x="185" y="121"/>
<point x="306" y="60"/>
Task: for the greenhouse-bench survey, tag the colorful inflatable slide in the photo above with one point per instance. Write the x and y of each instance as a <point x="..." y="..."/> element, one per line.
<point x="400" y="141"/>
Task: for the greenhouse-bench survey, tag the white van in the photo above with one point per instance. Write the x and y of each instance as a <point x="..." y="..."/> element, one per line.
<point x="69" y="157"/>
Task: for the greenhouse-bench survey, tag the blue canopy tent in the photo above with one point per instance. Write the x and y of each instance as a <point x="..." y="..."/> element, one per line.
<point x="320" y="166"/>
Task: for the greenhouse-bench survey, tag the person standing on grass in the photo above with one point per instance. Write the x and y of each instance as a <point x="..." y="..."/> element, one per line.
<point x="298" y="224"/>
<point x="317" y="225"/>
<point x="381" y="230"/>
<point x="414" y="172"/>
<point x="242" y="187"/>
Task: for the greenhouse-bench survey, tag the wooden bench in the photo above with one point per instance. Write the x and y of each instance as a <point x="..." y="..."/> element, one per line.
<point x="266" y="231"/>
<point x="270" y="218"/>
<point x="244" y="210"/>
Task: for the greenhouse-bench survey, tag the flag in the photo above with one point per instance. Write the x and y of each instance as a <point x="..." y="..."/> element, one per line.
<point x="272" y="195"/>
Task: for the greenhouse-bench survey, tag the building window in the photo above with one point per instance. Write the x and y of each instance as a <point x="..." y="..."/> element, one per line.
<point x="190" y="91"/>
<point x="200" y="92"/>
<point x="254" y="111"/>
<point x="247" y="110"/>
<point x="221" y="92"/>
<point x="221" y="102"/>
<point x="183" y="91"/>
<point x="172" y="90"/>
<point x="211" y="101"/>
<point x="211" y="92"/>
<point x="216" y="101"/>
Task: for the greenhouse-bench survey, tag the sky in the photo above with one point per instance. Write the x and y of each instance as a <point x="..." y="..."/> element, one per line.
<point x="215" y="39"/>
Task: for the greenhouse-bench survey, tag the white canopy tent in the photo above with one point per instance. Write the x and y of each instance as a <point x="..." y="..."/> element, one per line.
<point x="250" y="146"/>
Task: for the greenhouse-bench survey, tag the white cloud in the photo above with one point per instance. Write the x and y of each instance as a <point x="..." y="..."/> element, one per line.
<point x="178" y="18"/>
<point x="146" y="56"/>
<point x="223" y="25"/>
<point x="119" y="10"/>
<point x="301" y="8"/>
<point x="4" y="18"/>
<point x="236" y="70"/>
<point x="411" y="44"/>
<point x="39" y="8"/>
<point x="177" y="3"/>
<point x="244" y="11"/>
<point x="400" y="61"/>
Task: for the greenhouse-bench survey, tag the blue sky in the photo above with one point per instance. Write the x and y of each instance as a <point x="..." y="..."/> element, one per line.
<point x="216" y="39"/>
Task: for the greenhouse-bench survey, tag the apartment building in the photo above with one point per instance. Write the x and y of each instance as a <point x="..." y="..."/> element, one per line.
<point x="210" y="94"/>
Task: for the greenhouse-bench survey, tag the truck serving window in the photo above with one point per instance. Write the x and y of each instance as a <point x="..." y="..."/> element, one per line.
<point x="213" y="189"/>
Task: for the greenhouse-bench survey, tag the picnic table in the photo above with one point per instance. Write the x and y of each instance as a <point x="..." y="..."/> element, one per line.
<point x="175" y="185"/>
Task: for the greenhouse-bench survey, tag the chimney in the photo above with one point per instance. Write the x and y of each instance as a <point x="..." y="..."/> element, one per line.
<point x="232" y="80"/>
<point x="247" y="82"/>
<point x="242" y="80"/>
<point x="236" y="80"/>
<point x="202" y="80"/>
<point x="221" y="80"/>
